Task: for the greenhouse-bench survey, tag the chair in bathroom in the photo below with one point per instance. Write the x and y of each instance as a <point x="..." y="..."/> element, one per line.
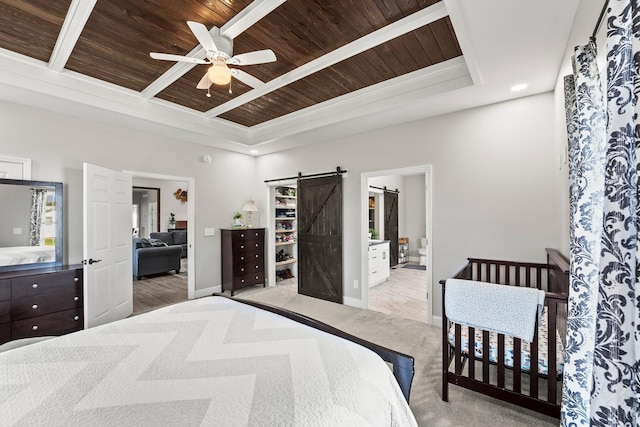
<point x="422" y="251"/>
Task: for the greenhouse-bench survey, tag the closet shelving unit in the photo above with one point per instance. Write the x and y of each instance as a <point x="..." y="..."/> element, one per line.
<point x="285" y="229"/>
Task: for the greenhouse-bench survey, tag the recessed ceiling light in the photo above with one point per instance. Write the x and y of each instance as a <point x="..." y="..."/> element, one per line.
<point x="519" y="87"/>
<point x="253" y="151"/>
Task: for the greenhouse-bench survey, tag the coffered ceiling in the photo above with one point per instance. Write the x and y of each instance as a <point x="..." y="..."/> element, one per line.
<point x="342" y="66"/>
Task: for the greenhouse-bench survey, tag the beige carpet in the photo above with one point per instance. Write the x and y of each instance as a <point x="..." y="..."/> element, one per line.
<point x="465" y="408"/>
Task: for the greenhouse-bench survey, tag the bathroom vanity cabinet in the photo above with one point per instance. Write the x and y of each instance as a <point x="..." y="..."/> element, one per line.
<point x="379" y="267"/>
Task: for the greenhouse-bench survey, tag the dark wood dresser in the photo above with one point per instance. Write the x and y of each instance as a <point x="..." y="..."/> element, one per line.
<point x="242" y="258"/>
<point x="39" y="302"/>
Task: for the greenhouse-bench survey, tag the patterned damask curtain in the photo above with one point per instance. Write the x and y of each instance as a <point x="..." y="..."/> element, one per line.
<point x="602" y="371"/>
<point x="38" y="197"/>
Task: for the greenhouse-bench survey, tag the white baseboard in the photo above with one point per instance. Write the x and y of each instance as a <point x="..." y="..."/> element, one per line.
<point x="353" y="302"/>
<point x="437" y="321"/>
<point x="207" y="291"/>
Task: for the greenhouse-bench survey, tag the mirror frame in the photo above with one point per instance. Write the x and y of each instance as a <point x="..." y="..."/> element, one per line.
<point x="59" y="223"/>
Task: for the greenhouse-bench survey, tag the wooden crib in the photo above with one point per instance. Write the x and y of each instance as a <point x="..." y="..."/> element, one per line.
<point x="534" y="386"/>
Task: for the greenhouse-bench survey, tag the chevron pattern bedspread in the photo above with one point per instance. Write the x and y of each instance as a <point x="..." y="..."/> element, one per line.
<point x="210" y="361"/>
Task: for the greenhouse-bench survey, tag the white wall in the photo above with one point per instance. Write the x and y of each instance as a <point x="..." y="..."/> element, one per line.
<point x="494" y="181"/>
<point x="59" y="144"/>
<point x="168" y="202"/>
<point x="494" y="178"/>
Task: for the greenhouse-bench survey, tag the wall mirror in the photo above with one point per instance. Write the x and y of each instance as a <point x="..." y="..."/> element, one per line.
<point x="145" y="217"/>
<point x="31" y="232"/>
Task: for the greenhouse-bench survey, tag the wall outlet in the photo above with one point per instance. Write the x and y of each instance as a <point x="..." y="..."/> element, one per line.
<point x="355" y="284"/>
<point x="209" y="231"/>
<point x="17" y="231"/>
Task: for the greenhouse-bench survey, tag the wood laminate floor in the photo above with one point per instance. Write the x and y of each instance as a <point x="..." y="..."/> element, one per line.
<point x="159" y="290"/>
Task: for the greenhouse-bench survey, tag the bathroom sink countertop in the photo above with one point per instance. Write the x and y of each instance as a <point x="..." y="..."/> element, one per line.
<point x="377" y="242"/>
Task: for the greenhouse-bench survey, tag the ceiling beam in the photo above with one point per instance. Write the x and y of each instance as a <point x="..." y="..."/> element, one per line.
<point x="391" y="31"/>
<point x="77" y="16"/>
<point x="232" y="29"/>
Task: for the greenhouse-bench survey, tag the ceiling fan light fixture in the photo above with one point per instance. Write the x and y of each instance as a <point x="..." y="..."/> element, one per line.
<point x="219" y="73"/>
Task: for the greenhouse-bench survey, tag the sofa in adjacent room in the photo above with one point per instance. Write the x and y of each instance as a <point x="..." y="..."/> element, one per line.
<point x="152" y="256"/>
<point x="173" y="237"/>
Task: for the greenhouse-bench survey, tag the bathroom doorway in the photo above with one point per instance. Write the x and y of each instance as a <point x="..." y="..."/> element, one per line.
<point x="407" y="290"/>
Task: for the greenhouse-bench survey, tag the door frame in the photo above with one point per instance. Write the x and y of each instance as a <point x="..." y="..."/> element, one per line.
<point x="191" y="185"/>
<point x="427" y="170"/>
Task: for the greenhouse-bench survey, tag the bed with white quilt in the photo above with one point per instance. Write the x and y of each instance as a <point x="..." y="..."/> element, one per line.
<point x="17" y="255"/>
<point x="210" y="361"/>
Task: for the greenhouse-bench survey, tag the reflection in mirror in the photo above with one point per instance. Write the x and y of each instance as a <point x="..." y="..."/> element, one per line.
<point x="145" y="217"/>
<point x="31" y="225"/>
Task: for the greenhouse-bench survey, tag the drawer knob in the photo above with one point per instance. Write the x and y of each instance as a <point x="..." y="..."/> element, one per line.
<point x="242" y="235"/>
<point x="34" y="306"/>
<point x="256" y="277"/>
<point x="242" y="269"/>
<point x="34" y="327"/>
<point x="257" y="266"/>
<point x="257" y="255"/>
<point x="241" y="257"/>
<point x="75" y="279"/>
<point x="242" y="247"/>
<point x="76" y="317"/>
<point x="242" y="280"/>
<point x="34" y="286"/>
<point x="76" y="298"/>
<point x="256" y="245"/>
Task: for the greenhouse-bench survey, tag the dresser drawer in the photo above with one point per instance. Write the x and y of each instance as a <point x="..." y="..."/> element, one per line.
<point x="40" y="284"/>
<point x="249" y="279"/>
<point x="5" y="290"/>
<point x="5" y="311"/>
<point x="59" y="323"/>
<point x="248" y="268"/>
<point x="252" y="258"/>
<point x="65" y="299"/>
<point x="248" y="235"/>
<point x="247" y="246"/>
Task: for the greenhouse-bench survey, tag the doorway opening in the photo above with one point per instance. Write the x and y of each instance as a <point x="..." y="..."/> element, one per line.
<point x="406" y="289"/>
<point x="173" y="214"/>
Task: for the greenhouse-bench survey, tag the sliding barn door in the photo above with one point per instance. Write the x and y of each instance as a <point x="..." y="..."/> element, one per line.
<point x="391" y="225"/>
<point x="320" y="238"/>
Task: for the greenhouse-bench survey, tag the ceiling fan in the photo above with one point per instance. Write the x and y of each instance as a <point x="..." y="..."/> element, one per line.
<point x="219" y="51"/>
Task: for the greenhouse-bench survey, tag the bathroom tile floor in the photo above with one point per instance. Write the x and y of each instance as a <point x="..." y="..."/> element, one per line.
<point x="403" y="294"/>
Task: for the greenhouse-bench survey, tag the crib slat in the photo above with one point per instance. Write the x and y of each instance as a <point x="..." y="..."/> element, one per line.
<point x="517" y="365"/>
<point x="518" y="275"/>
<point x="472" y="353"/>
<point x="533" y="350"/>
<point x="552" y="314"/>
<point x="457" y="350"/>
<point x="485" y="356"/>
<point x="528" y="281"/>
<point x="497" y="273"/>
<point x="501" y="360"/>
<point x="507" y="274"/>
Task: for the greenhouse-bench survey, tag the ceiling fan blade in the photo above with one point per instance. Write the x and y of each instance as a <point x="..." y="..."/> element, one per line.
<point x="170" y="57"/>
<point x="203" y="36"/>
<point x="257" y="57"/>
<point x="246" y="78"/>
<point x="204" y="82"/>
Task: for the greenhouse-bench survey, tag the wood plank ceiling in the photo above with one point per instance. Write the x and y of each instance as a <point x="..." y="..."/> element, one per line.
<point x="114" y="47"/>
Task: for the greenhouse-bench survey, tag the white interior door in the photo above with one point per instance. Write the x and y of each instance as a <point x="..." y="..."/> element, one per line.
<point x="108" y="281"/>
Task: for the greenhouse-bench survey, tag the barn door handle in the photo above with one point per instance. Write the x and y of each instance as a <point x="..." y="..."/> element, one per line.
<point x="91" y="261"/>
